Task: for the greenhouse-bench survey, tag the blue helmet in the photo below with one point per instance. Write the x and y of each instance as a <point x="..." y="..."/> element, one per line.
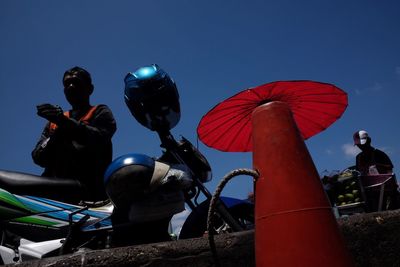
<point x="152" y="97"/>
<point x="131" y="176"/>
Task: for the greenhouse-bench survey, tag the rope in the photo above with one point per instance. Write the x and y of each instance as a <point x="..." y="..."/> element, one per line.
<point x="213" y="203"/>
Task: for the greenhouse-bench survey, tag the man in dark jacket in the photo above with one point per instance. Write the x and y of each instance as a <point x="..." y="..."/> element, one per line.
<point x="370" y="160"/>
<point x="77" y="144"/>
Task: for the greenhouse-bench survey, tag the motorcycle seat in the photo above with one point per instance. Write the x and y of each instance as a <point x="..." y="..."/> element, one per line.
<point x="28" y="184"/>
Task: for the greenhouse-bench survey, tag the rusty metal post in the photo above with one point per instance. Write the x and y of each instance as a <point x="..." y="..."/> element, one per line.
<point x="295" y="225"/>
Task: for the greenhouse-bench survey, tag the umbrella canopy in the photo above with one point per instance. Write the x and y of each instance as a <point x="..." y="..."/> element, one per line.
<point x="315" y="106"/>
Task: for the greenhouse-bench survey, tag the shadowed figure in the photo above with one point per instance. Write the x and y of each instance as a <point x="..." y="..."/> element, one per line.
<point x="76" y="144"/>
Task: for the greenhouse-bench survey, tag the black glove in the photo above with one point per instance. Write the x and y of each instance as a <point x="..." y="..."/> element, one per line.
<point x="52" y="113"/>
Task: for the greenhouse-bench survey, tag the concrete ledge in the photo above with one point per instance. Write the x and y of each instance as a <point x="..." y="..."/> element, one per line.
<point x="373" y="239"/>
<point x="233" y="250"/>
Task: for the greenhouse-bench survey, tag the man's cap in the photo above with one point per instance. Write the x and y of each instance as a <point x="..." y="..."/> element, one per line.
<point x="360" y="137"/>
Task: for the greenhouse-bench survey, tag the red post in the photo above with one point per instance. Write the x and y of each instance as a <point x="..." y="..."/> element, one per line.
<point x="295" y="225"/>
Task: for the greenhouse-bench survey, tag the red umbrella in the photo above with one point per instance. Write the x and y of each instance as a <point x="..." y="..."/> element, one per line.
<point x="315" y="106"/>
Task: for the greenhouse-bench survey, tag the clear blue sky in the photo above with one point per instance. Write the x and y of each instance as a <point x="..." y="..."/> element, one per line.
<point x="213" y="49"/>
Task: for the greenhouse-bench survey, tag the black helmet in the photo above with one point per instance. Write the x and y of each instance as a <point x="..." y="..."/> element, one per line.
<point x="152" y="97"/>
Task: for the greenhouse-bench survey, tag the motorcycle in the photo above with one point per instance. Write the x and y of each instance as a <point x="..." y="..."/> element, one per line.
<point x="36" y="221"/>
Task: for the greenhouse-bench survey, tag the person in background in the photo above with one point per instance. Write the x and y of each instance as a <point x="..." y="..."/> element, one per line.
<point x="370" y="160"/>
<point x="76" y="144"/>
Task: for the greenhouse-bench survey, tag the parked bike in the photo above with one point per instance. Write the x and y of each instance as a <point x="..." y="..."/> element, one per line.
<point x="36" y="221"/>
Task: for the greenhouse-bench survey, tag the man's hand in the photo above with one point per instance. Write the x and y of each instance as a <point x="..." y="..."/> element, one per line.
<point x="52" y="113"/>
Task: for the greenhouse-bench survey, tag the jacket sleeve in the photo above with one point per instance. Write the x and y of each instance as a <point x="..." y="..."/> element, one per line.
<point x="43" y="149"/>
<point x="99" y="129"/>
<point x="383" y="159"/>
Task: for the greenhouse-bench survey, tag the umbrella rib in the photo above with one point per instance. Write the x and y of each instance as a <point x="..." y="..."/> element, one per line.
<point x="216" y="109"/>
<point x="230" y="127"/>
<point x="218" y="118"/>
<point x="327" y="100"/>
<point x="246" y="119"/>
<point x="317" y="125"/>
<point x="321" y="98"/>
<point x="232" y="118"/>
<point x="233" y="107"/>
<point x="318" y="110"/>
<point x="232" y="111"/>
<point x="257" y="94"/>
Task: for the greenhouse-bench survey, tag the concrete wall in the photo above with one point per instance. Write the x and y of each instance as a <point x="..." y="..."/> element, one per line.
<point x="233" y="250"/>
<point x="373" y="239"/>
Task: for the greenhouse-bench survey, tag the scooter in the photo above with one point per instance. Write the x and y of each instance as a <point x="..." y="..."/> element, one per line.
<point x="36" y="221"/>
